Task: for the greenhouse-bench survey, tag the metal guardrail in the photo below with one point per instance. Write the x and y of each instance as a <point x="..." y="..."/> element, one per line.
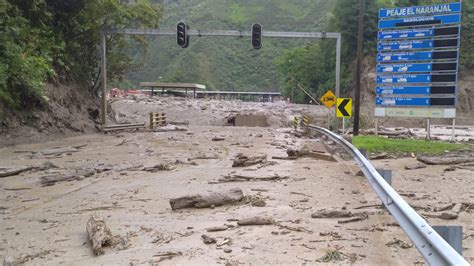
<point x="429" y="243"/>
<point x="109" y="128"/>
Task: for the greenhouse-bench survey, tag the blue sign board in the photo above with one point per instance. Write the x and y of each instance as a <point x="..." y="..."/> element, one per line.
<point x="406" y="45"/>
<point x="404" y="56"/>
<point x="406" y="34"/>
<point x="403" y="73"/>
<point x="402" y="101"/>
<point x="404" y="90"/>
<point x="420" y="10"/>
<point x="404" y="68"/>
<point x="417" y="21"/>
<point x="392" y="79"/>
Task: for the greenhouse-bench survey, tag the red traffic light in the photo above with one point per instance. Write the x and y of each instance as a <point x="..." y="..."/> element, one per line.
<point x="182" y="38"/>
<point x="257" y="36"/>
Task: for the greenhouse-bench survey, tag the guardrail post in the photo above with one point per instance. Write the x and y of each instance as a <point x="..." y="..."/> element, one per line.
<point x="452" y="234"/>
<point x="386" y="174"/>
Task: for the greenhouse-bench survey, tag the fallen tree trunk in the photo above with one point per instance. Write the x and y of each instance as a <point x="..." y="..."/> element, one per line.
<point x="53" y="179"/>
<point x="99" y="234"/>
<point x="325" y="213"/>
<point x="16" y="171"/>
<point x="445" y="160"/>
<point x="256" y="221"/>
<point x="241" y="178"/>
<point x="205" y="201"/>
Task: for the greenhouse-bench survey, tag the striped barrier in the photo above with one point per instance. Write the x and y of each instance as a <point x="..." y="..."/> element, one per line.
<point x="296" y="122"/>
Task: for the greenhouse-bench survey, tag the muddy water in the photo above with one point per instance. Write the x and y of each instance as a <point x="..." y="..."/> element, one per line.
<point x="46" y="225"/>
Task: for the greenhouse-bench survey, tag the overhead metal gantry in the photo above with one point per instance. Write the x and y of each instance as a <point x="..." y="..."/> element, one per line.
<point x="211" y="33"/>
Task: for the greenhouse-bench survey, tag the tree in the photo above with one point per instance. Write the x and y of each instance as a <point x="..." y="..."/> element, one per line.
<point x="58" y="40"/>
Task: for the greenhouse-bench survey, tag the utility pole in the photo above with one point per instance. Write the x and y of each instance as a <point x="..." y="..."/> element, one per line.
<point x="360" y="55"/>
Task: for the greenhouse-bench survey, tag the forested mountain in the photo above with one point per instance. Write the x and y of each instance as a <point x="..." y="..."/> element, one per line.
<point x="229" y="63"/>
<point x="57" y="41"/>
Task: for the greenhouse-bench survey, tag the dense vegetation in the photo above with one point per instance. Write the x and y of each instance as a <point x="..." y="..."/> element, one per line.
<point x="57" y="40"/>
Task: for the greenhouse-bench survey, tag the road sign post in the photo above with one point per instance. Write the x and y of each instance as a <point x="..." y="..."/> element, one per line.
<point x="417" y="61"/>
<point x="344" y="110"/>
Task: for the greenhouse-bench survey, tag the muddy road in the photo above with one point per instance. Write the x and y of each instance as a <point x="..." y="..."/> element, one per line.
<point x="129" y="178"/>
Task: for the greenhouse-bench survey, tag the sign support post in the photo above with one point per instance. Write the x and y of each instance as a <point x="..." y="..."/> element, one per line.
<point x="454" y="128"/>
<point x="428" y="129"/>
<point x="360" y="37"/>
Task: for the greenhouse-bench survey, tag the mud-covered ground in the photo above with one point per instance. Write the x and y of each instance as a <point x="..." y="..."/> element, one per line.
<point x="44" y="222"/>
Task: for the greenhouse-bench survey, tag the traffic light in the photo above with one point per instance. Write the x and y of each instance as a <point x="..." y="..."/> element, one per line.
<point x="182" y="37"/>
<point x="257" y="36"/>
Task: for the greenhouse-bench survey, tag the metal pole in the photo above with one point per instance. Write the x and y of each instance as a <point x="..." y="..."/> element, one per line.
<point x="338" y="65"/>
<point x="359" y="67"/>
<point x="343" y="125"/>
<point x="103" y="71"/>
<point x="428" y="129"/>
<point x="376" y="126"/>
<point x="454" y="128"/>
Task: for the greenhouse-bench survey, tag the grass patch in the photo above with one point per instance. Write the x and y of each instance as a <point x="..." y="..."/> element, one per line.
<point x="380" y="144"/>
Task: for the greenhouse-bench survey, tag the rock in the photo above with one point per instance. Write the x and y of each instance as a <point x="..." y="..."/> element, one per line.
<point x="208" y="240"/>
<point x="414" y="167"/>
<point x="379" y="156"/>
<point x="227" y="250"/>
<point x="399" y="243"/>
<point x="243" y="161"/>
<point x="297" y="152"/>
<point x="99" y="234"/>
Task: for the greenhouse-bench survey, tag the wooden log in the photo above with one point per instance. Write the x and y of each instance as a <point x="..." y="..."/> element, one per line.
<point x="256" y="221"/>
<point x="356" y="218"/>
<point x="217" y="228"/>
<point x="445" y="160"/>
<point x="242" y="178"/>
<point x="15" y="171"/>
<point x="53" y="179"/>
<point x="325" y="213"/>
<point x="205" y="201"/>
<point x="5" y="172"/>
<point x="99" y="234"/>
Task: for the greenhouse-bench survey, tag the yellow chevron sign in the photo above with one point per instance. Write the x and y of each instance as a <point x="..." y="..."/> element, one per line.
<point x="344" y="107"/>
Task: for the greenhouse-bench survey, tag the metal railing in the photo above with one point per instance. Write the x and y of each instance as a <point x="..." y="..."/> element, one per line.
<point x="429" y="243"/>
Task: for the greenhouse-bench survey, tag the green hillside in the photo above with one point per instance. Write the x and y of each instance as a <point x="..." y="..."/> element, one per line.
<point x="229" y="63"/>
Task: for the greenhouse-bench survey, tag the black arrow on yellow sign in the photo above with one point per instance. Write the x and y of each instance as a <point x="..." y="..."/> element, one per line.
<point x="344" y="107"/>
